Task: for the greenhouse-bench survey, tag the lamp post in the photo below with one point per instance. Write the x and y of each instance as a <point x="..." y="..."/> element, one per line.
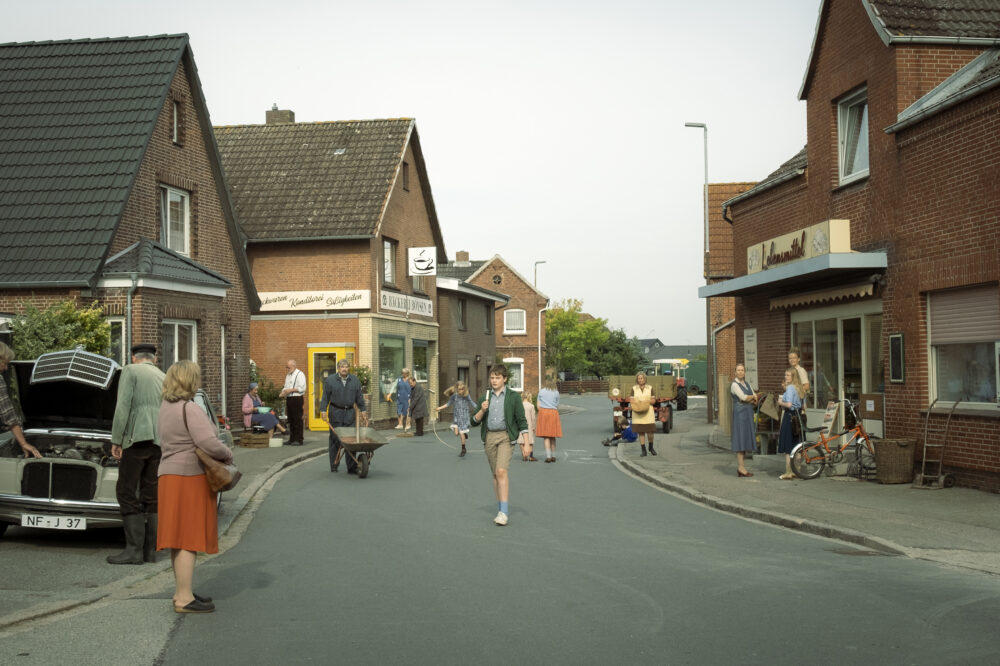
<point x="536" y="271"/>
<point x="541" y="365"/>
<point x="708" y="303"/>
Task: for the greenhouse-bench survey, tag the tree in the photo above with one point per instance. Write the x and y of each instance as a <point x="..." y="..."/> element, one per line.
<point x="571" y="339"/>
<point x="61" y="326"/>
<point x="619" y="355"/>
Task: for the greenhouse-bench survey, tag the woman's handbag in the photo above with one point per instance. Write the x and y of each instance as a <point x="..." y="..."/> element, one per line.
<point x="221" y="477"/>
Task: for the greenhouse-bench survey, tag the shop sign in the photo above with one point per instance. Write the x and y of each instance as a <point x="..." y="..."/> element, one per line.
<point x="297" y="301"/>
<point x="409" y="304"/>
<point x="823" y="238"/>
<point x="750" y="356"/>
<point x="422" y="261"/>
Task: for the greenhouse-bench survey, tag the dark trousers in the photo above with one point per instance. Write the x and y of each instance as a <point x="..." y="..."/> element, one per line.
<point x="137" y="474"/>
<point x="293" y="407"/>
<point x="340" y="418"/>
<point x="419" y="424"/>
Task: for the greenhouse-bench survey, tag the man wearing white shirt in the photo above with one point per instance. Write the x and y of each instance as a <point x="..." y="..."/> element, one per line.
<point x="294" y="395"/>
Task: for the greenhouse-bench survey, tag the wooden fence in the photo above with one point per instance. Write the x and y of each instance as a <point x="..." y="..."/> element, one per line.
<point x="584" y="386"/>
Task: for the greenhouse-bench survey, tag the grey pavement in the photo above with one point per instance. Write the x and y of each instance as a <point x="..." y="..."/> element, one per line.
<point x="953" y="526"/>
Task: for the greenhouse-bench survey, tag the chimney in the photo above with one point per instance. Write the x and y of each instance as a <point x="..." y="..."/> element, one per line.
<point x="276" y="116"/>
<point x="462" y="258"/>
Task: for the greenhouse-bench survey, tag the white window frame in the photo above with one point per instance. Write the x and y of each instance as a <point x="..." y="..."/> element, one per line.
<point x="847" y="122"/>
<point x="166" y="193"/>
<point x="932" y="367"/>
<point x="122" y="352"/>
<point x="389" y="248"/>
<point x="508" y="329"/>
<point x="176" y="323"/>
<point x="519" y="363"/>
<point x="177" y="122"/>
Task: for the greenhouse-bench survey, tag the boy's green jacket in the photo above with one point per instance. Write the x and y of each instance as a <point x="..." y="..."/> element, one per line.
<point x="513" y="414"/>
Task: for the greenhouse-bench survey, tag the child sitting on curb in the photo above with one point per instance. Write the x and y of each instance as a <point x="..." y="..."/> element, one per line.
<point x="625" y="433"/>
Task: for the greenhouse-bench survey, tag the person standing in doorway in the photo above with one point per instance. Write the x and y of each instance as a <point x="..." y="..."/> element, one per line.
<point x="418" y="406"/>
<point x="135" y="443"/>
<point x="341" y="394"/>
<point x="294" y="395"/>
<point x="501" y="417"/>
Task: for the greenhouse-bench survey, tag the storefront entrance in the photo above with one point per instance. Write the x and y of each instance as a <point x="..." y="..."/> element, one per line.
<point x="840" y="348"/>
<point x="322" y="364"/>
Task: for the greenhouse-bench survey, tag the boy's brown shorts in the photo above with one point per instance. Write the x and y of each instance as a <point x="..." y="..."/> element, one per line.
<point x="498" y="450"/>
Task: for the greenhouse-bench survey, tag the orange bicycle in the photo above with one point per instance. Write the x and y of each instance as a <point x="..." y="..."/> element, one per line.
<point x="810" y="458"/>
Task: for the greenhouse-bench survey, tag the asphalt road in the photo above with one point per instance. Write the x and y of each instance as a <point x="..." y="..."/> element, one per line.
<point x="406" y="566"/>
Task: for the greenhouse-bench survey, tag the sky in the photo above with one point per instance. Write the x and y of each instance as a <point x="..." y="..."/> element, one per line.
<point x="552" y="130"/>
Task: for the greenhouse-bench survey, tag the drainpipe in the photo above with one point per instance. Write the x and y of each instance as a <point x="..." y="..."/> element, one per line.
<point x="715" y="365"/>
<point x="128" y="317"/>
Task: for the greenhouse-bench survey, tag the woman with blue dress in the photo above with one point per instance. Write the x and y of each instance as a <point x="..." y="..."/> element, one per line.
<point x="744" y="400"/>
<point x="254" y="415"/>
<point x="402" y="393"/>
<point x="791" y="401"/>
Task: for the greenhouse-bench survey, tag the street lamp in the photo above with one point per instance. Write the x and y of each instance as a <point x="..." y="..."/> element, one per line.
<point x="536" y="271"/>
<point x="708" y="302"/>
<point x="541" y="365"/>
<point x="704" y="127"/>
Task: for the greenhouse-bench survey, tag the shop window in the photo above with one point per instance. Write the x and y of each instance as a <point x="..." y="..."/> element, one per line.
<point x="514" y="322"/>
<point x="389" y="261"/>
<point x="852" y="136"/>
<point x="179" y="342"/>
<point x="421" y="366"/>
<point x="515" y="373"/>
<point x="390" y="362"/>
<point x="965" y="345"/>
<point x="116" y="349"/>
<point x="418" y="284"/>
<point x="175" y="219"/>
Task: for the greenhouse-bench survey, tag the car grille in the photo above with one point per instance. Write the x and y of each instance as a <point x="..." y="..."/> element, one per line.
<point x="68" y="482"/>
<point x="75" y="364"/>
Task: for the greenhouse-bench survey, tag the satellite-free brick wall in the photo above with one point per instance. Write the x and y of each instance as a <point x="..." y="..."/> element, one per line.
<point x="931" y="203"/>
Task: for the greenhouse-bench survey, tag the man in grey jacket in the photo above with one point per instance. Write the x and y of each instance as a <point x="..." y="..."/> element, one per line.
<point x="135" y="443"/>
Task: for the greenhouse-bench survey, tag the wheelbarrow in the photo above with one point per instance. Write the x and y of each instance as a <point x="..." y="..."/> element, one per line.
<point x="360" y="444"/>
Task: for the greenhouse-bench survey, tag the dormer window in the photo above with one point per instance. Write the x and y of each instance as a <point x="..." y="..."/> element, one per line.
<point x="852" y="136"/>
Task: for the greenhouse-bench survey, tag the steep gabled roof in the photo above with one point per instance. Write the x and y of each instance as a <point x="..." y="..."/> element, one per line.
<point x="957" y="22"/>
<point x="498" y="258"/>
<point x="326" y="180"/>
<point x="459" y="269"/>
<point x="75" y="122"/>
<point x="792" y="168"/>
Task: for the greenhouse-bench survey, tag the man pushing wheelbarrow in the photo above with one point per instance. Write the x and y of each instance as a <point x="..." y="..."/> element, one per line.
<point x="341" y="394"/>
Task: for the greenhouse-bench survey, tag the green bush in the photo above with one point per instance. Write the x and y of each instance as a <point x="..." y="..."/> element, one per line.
<point x="61" y="326"/>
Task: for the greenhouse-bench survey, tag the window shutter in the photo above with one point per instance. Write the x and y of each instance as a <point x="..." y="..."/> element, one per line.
<point x="965" y="315"/>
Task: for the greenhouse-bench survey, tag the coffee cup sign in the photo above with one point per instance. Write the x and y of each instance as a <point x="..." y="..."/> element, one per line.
<point x="422" y="260"/>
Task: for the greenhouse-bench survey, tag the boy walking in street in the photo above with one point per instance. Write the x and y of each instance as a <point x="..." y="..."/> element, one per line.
<point x="501" y="417"/>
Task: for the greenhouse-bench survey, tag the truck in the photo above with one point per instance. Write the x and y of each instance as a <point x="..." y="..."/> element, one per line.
<point x="677" y="368"/>
<point x="665" y="398"/>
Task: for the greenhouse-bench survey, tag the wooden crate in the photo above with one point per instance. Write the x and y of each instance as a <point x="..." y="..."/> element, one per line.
<point x="254" y="440"/>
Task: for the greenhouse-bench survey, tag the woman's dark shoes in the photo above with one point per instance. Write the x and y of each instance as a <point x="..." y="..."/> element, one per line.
<point x="204" y="600"/>
<point x="652" y="451"/>
<point x="196" y="607"/>
<point x="531" y="459"/>
<point x="743" y="474"/>
<point x="462" y="454"/>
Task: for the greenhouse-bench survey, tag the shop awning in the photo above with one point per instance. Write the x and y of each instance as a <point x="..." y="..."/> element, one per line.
<point x="858" y="290"/>
<point x="805" y="274"/>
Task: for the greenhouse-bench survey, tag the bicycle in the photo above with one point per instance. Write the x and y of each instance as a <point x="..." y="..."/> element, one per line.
<point x="810" y="458"/>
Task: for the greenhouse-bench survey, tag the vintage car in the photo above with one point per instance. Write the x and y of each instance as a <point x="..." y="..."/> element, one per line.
<point x="68" y="400"/>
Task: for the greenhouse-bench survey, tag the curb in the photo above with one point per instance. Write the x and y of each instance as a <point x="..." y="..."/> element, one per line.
<point x="772" y="517"/>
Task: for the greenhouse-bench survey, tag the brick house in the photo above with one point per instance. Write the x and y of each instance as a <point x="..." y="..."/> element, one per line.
<point x="112" y="191"/>
<point x="519" y="327"/>
<point x="874" y="250"/>
<point x="466" y="314"/>
<point x="330" y="211"/>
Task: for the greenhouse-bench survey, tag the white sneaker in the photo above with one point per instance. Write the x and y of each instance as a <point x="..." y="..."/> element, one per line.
<point x="501" y="519"/>
<point x="399" y="426"/>
<point x="454" y="428"/>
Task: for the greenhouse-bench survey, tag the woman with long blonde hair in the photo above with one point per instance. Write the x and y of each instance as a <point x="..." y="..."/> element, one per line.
<point x="791" y="401"/>
<point x="643" y="420"/>
<point x="461" y="402"/>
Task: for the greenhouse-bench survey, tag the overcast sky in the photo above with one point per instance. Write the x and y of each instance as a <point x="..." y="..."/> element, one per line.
<point x="552" y="130"/>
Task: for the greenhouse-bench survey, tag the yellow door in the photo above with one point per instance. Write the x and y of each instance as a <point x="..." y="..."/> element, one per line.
<point x="322" y="364"/>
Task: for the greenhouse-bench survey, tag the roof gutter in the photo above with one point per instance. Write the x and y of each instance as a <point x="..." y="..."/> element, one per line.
<point x="309" y="238"/>
<point x="944" y="104"/>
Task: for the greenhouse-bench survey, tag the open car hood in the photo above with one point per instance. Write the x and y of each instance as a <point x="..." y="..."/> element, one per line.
<point x="68" y="389"/>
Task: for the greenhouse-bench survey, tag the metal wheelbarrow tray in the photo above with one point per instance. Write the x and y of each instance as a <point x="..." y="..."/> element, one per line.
<point x="360" y="444"/>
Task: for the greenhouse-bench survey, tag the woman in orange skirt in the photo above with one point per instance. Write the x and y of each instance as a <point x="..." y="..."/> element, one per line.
<point x="548" y="426"/>
<point x="188" y="522"/>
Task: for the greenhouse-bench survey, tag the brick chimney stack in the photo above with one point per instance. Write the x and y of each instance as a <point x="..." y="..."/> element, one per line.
<point x="276" y="116"/>
<point x="462" y="258"/>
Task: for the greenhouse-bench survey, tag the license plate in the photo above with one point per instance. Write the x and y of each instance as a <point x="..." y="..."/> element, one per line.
<point x="53" y="522"/>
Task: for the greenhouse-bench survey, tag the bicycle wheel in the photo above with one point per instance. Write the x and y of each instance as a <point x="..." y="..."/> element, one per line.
<point x="808" y="460"/>
<point x="864" y="459"/>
